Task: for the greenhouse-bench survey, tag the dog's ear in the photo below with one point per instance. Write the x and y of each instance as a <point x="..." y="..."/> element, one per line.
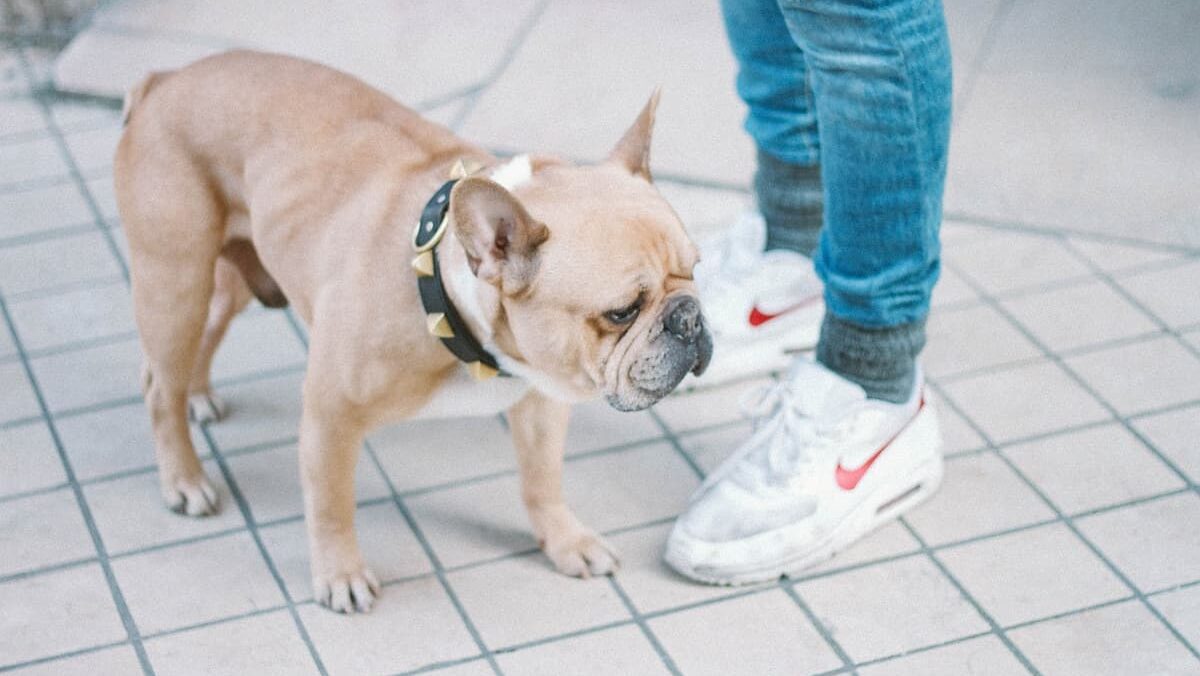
<point x="498" y="234"/>
<point x="633" y="150"/>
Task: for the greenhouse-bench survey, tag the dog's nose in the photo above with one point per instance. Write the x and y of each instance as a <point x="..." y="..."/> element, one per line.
<point x="683" y="318"/>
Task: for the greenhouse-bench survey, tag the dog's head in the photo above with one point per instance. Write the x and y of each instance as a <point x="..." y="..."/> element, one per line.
<point x="594" y="271"/>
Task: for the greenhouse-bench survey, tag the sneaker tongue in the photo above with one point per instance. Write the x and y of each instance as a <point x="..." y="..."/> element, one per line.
<point x="821" y="392"/>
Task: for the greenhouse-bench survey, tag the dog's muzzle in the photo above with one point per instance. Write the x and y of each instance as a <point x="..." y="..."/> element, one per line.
<point x="684" y="345"/>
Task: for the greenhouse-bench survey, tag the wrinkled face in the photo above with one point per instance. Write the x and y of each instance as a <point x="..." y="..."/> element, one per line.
<point x="610" y="307"/>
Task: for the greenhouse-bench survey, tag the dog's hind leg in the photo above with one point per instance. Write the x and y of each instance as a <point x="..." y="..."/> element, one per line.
<point x="230" y="297"/>
<point x="175" y="237"/>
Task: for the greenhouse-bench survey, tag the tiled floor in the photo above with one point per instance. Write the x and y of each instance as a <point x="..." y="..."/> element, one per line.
<point x="1064" y="348"/>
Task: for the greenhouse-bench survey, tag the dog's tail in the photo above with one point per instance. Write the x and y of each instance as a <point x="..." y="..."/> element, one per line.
<point x="135" y="96"/>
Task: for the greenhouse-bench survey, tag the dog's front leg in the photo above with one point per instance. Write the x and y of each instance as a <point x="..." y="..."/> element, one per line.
<point x="329" y="447"/>
<point x="539" y="429"/>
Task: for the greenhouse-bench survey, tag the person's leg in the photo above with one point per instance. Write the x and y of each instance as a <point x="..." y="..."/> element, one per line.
<point x="880" y="75"/>
<point x="782" y="120"/>
<point x="843" y="446"/>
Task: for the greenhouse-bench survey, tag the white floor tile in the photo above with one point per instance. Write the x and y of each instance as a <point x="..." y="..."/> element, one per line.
<point x="270" y="482"/>
<point x="425" y="453"/>
<point x="1156" y="544"/>
<point x="1120" y="639"/>
<point x="1174" y="434"/>
<point x="101" y="311"/>
<point x="198" y="582"/>
<point x="29" y="450"/>
<point x="1113" y="257"/>
<point x="17" y="399"/>
<point x="263" y="644"/>
<point x="42" y="530"/>
<point x="78" y="598"/>
<point x="111" y="440"/>
<point x="546" y="602"/>
<point x="891" y="608"/>
<point x="30" y="160"/>
<point x="37" y="210"/>
<point x="1093" y="468"/>
<point x="1169" y="293"/>
<point x="979" y="495"/>
<point x="577" y="51"/>
<point x="1019" y="577"/>
<point x="648" y="582"/>
<point x="984" y="656"/>
<point x="119" y="660"/>
<point x="1182" y="609"/>
<point x="1025" y="401"/>
<point x="1078" y="316"/>
<point x="1151" y="374"/>
<point x="56" y="263"/>
<point x="130" y="512"/>
<point x="972" y="339"/>
<point x="1008" y="261"/>
<point x="412" y="625"/>
<point x="763" y="633"/>
<point x="93" y="375"/>
<point x="388" y="546"/>
<point x="617" y="652"/>
<point x="486" y="519"/>
<point x="260" y="412"/>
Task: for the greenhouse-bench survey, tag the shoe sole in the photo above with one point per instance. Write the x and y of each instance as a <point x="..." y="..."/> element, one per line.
<point x="884" y="504"/>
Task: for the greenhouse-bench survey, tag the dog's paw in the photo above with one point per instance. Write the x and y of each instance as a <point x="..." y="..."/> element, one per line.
<point x="206" y="407"/>
<point x="581" y="554"/>
<point x="194" y="497"/>
<point x="348" y="593"/>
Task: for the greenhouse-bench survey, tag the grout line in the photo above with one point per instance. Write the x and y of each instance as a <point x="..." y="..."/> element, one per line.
<point x="1069" y="521"/>
<point x="89" y="520"/>
<point x="817" y="624"/>
<point x="418" y="534"/>
<point x="46" y="235"/>
<point x="981" y="56"/>
<point x="1022" y="227"/>
<point x="59" y="656"/>
<point x="1121" y="291"/>
<point x="677" y="445"/>
<point x="438" y="569"/>
<point x="506" y="58"/>
<point x="77" y="174"/>
<point x="987" y="617"/>
<point x="661" y="651"/>
<point x="48" y="568"/>
<point x="247" y="515"/>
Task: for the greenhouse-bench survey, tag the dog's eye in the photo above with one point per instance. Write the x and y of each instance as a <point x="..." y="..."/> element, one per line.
<point x="625" y="314"/>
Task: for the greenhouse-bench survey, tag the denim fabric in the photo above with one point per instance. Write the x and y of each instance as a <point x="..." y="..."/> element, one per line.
<point x="861" y="88"/>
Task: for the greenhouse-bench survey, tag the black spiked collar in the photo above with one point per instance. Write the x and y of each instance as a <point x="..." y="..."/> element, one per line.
<point x="441" y="317"/>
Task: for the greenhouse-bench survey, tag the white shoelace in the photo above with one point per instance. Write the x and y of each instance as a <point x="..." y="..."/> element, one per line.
<point x="786" y="425"/>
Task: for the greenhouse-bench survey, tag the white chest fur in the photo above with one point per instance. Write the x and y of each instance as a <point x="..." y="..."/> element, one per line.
<point x="461" y="396"/>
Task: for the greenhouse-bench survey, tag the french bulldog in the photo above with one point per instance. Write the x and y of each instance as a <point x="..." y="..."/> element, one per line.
<point x="255" y="175"/>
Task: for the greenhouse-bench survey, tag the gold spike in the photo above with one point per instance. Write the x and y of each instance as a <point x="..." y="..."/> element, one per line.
<point x="481" y="371"/>
<point x="459" y="170"/>
<point x="436" y="323"/>
<point x="423" y="264"/>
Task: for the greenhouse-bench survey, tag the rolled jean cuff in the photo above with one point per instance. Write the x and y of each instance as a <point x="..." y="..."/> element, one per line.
<point x="791" y="201"/>
<point x="881" y="360"/>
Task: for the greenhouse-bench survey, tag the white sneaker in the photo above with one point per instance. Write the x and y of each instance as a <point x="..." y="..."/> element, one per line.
<point x="761" y="306"/>
<point x="824" y="467"/>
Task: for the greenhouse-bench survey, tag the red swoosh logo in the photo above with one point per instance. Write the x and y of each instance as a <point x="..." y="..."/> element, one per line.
<point x="758" y="317"/>
<point x="847" y="479"/>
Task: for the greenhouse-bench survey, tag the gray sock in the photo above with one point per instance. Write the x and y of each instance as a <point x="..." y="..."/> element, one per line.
<point x="883" y="361"/>
<point x="791" y="201"/>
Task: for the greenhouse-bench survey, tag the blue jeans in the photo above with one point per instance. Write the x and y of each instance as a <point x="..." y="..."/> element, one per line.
<point x="862" y="89"/>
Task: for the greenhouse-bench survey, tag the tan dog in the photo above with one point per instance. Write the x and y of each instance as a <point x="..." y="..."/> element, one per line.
<point x="249" y="173"/>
